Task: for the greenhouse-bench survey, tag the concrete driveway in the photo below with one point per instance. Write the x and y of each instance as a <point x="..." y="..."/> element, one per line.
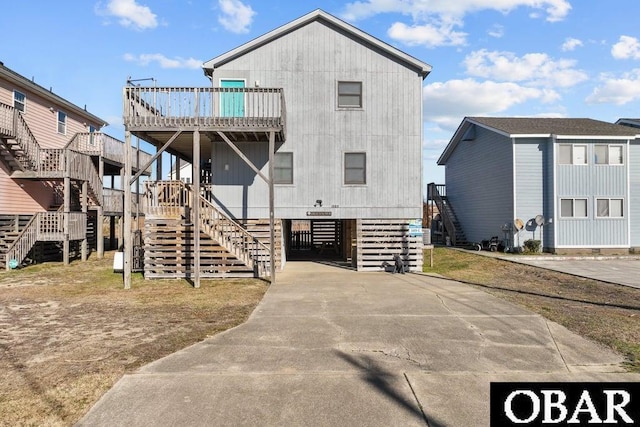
<point x="329" y="346"/>
<point x="619" y="270"/>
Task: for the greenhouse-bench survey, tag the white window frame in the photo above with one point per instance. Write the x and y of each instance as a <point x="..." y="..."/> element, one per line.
<point x="288" y="154"/>
<point x="364" y="168"/>
<point x="609" y="200"/>
<point x="608" y="156"/>
<point x="17" y="102"/>
<point x="573" y="207"/>
<point x="61" y="124"/>
<point x="573" y="154"/>
<point x="359" y="96"/>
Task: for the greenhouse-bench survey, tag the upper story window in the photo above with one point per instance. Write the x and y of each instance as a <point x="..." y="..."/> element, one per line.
<point x="283" y="168"/>
<point x="355" y="168"/>
<point x="572" y="154"/>
<point x="19" y="101"/>
<point x="62" y="122"/>
<point x="608" y="155"/>
<point x="349" y="94"/>
<point x="573" y="208"/>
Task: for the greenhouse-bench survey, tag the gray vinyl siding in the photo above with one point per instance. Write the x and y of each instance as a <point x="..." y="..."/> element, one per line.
<point x="592" y="182"/>
<point x="533" y="176"/>
<point x="479" y="178"/>
<point x="634" y="186"/>
<point x="308" y="63"/>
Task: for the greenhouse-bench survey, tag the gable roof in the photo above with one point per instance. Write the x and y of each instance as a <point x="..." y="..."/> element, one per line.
<point x="538" y="127"/>
<point x="22" y="81"/>
<point x="317" y="15"/>
<point x="629" y="122"/>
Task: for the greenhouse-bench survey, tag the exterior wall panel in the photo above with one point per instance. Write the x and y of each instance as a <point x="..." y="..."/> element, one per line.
<point x="592" y="182"/>
<point x="479" y="177"/>
<point x="308" y="64"/>
<point x="634" y="190"/>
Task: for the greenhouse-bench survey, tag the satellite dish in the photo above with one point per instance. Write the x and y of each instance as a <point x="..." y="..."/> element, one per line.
<point x="519" y="224"/>
<point x="539" y="220"/>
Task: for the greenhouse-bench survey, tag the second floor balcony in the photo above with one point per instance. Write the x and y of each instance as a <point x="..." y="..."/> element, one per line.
<point x="250" y="114"/>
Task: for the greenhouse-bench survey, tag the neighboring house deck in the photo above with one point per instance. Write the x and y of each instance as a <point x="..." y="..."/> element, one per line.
<point x="573" y="184"/>
<point x="52" y="166"/>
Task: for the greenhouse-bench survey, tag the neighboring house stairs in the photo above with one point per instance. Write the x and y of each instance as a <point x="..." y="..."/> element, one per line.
<point x="25" y="159"/>
<point x="452" y="227"/>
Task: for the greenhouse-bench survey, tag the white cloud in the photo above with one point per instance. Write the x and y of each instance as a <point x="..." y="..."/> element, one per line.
<point x="447" y="103"/>
<point x="426" y="35"/>
<point x="164" y="62"/>
<point x="497" y="31"/>
<point x="236" y="16"/>
<point x="627" y="48"/>
<point x="556" y="10"/>
<point x="571" y="44"/>
<point x="617" y="91"/>
<point x="130" y="14"/>
<point x="533" y="68"/>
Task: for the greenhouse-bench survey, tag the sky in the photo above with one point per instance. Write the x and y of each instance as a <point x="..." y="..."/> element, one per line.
<point x="507" y="58"/>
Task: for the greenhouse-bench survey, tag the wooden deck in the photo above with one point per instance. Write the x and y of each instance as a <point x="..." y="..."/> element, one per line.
<point x="155" y="114"/>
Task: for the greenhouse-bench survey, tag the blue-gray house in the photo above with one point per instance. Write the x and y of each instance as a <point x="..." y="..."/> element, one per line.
<point x="572" y="183"/>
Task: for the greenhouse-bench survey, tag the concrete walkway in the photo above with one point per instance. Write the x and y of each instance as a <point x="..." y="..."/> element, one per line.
<point x="329" y="346"/>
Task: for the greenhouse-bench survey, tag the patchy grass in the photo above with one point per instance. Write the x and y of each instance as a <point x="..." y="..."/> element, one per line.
<point x="68" y="333"/>
<point x="606" y="313"/>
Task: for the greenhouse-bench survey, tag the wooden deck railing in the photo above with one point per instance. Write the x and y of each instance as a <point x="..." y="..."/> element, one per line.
<point x="45" y="227"/>
<point x="214" y="107"/>
<point x="175" y="198"/>
<point x="13" y="124"/>
<point x="100" y="144"/>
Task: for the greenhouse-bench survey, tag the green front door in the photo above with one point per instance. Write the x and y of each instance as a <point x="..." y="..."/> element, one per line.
<point x="232" y="102"/>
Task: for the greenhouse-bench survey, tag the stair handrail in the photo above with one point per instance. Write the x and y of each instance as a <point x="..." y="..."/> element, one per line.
<point x="444" y="215"/>
<point x="234" y="237"/>
<point x="21" y="133"/>
<point x="20" y="247"/>
<point x="81" y="167"/>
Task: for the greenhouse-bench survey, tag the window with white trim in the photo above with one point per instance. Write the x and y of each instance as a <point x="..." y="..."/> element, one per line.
<point x="610" y="208"/>
<point x="571" y="154"/>
<point x="608" y="154"/>
<point x="573" y="208"/>
<point x="62" y="122"/>
<point x="283" y="168"/>
<point x="349" y="94"/>
<point x="19" y="101"/>
<point x="355" y="168"/>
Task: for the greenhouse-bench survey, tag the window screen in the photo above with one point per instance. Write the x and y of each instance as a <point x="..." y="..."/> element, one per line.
<point x="355" y="168"/>
<point x="350" y="94"/>
<point x="283" y="168"/>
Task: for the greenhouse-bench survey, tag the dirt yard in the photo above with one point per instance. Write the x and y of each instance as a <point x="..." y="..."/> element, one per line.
<point x="67" y="334"/>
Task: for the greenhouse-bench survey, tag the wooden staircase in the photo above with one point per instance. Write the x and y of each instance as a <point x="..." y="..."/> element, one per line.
<point x="24" y="157"/>
<point x="227" y="249"/>
<point x="10" y="228"/>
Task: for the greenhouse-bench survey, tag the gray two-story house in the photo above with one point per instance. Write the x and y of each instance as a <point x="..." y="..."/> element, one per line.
<point x="342" y="112"/>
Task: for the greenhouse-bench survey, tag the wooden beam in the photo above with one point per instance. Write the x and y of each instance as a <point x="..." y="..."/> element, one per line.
<point x="245" y="158"/>
<point x="66" y="207"/>
<point x="126" y="232"/>
<point x="196" y="206"/>
<point x="153" y="159"/>
<point x="85" y="210"/>
<point x="100" y="215"/>
<point x="272" y="234"/>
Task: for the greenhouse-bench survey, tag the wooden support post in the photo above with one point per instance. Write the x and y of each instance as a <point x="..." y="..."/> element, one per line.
<point x="272" y="233"/>
<point x="159" y="165"/>
<point x="66" y="208"/>
<point x="85" y="211"/>
<point x="196" y="207"/>
<point x="127" y="237"/>
<point x="100" y="215"/>
<point x="112" y="232"/>
<point x="177" y="177"/>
